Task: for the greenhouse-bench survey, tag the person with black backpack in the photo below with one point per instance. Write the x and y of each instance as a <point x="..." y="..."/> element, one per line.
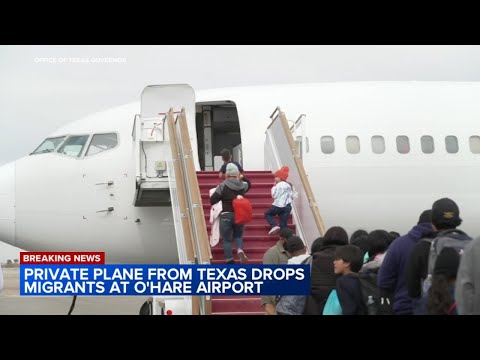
<point x="445" y="220"/>
<point x="378" y="302"/>
<point x="323" y="278"/>
<point x="348" y="262"/>
<point x="392" y="275"/>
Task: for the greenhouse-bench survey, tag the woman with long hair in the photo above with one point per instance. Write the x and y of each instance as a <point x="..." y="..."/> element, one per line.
<point x="440" y="299"/>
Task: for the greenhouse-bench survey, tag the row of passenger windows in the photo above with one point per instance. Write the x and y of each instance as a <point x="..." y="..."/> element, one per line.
<point x="74" y="144"/>
<point x="427" y="142"/>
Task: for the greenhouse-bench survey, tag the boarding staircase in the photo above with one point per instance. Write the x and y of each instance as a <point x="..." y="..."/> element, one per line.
<point x="255" y="238"/>
<point x="166" y="176"/>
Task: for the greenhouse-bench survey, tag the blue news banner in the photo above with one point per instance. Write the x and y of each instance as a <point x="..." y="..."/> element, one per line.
<point x="106" y="280"/>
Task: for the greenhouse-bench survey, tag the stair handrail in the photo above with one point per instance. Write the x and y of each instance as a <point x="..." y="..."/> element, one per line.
<point x="279" y="123"/>
<point x="303" y="174"/>
<point x="189" y="255"/>
<point x="195" y="200"/>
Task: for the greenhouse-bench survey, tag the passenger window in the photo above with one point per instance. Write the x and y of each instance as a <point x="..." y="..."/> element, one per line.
<point x="102" y="142"/>
<point x="403" y="144"/>
<point x="353" y="144"/>
<point x="327" y="144"/>
<point x="428" y="146"/>
<point x="378" y="144"/>
<point x="49" y="145"/>
<point x="475" y="144"/>
<point x="74" y="145"/>
<point x="451" y="144"/>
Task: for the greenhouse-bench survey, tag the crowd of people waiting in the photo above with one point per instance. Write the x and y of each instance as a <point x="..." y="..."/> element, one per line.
<point x="428" y="271"/>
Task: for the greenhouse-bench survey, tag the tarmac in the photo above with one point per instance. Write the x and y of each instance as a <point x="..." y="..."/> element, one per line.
<point x="11" y="303"/>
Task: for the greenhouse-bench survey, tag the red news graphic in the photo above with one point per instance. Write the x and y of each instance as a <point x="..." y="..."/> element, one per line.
<point x="60" y="258"/>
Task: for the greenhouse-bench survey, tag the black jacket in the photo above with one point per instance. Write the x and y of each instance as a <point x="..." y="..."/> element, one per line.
<point x="322" y="281"/>
<point x="350" y="296"/>
<point x="229" y="190"/>
<point x="417" y="267"/>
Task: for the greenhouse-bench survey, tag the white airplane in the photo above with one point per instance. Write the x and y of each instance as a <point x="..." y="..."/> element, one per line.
<point x="376" y="153"/>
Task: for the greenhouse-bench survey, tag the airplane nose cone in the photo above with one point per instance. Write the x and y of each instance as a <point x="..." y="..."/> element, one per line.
<point x="7" y="203"/>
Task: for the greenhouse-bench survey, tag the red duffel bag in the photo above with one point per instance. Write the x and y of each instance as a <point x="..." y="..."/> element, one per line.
<point x="243" y="210"/>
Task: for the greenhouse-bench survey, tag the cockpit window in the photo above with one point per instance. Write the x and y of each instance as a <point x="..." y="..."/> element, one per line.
<point x="74" y="145"/>
<point x="102" y="142"/>
<point x="49" y="145"/>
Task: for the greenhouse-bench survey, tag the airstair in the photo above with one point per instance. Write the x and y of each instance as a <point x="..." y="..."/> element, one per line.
<point x="255" y="237"/>
<point x="167" y="176"/>
<point x="285" y="145"/>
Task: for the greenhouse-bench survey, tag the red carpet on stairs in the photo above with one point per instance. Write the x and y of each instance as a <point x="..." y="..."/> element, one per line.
<point x="255" y="238"/>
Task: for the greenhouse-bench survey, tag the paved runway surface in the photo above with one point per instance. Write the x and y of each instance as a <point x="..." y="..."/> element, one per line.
<point x="11" y="303"/>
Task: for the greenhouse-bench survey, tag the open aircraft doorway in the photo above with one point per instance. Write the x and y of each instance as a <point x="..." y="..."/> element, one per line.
<point x="218" y="128"/>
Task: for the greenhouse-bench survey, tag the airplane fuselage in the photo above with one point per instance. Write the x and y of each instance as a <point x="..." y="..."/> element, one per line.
<point x="376" y="153"/>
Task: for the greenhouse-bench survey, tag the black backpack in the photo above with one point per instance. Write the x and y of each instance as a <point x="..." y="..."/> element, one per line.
<point x="376" y="303"/>
<point x="147" y="307"/>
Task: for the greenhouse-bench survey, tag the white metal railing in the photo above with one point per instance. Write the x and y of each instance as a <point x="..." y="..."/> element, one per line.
<point x="186" y="252"/>
<point x="197" y="217"/>
<point x="280" y="150"/>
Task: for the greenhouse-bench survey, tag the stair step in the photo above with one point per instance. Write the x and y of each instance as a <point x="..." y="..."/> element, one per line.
<point x="249" y="172"/>
<point x="250" y="261"/>
<point x="253" y="190"/>
<point x="248" y="244"/>
<point x="235" y="305"/>
<point x="249" y="251"/>
<point x="251" y="242"/>
<point x="205" y="184"/>
<point x="236" y="297"/>
<point x="252" y="196"/>
<point x="250" y="227"/>
<point x="256" y="215"/>
<point x="240" y="313"/>
<point x="255" y="205"/>
<point x="256" y="240"/>
<point x="254" y="222"/>
<point x="256" y="229"/>
<point x="270" y="240"/>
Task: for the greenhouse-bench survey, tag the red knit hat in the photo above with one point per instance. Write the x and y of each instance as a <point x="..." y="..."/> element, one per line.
<point x="282" y="173"/>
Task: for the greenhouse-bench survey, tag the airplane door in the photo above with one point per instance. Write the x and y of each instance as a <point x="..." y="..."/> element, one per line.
<point x="156" y="100"/>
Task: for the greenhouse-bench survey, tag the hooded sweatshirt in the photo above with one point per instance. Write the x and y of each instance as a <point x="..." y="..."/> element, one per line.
<point x="229" y="190"/>
<point x="392" y="273"/>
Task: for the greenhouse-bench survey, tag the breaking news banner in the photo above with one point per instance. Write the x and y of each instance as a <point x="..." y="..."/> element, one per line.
<point x="85" y="273"/>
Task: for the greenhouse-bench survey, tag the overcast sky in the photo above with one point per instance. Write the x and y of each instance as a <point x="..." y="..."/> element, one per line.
<point x="37" y="97"/>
